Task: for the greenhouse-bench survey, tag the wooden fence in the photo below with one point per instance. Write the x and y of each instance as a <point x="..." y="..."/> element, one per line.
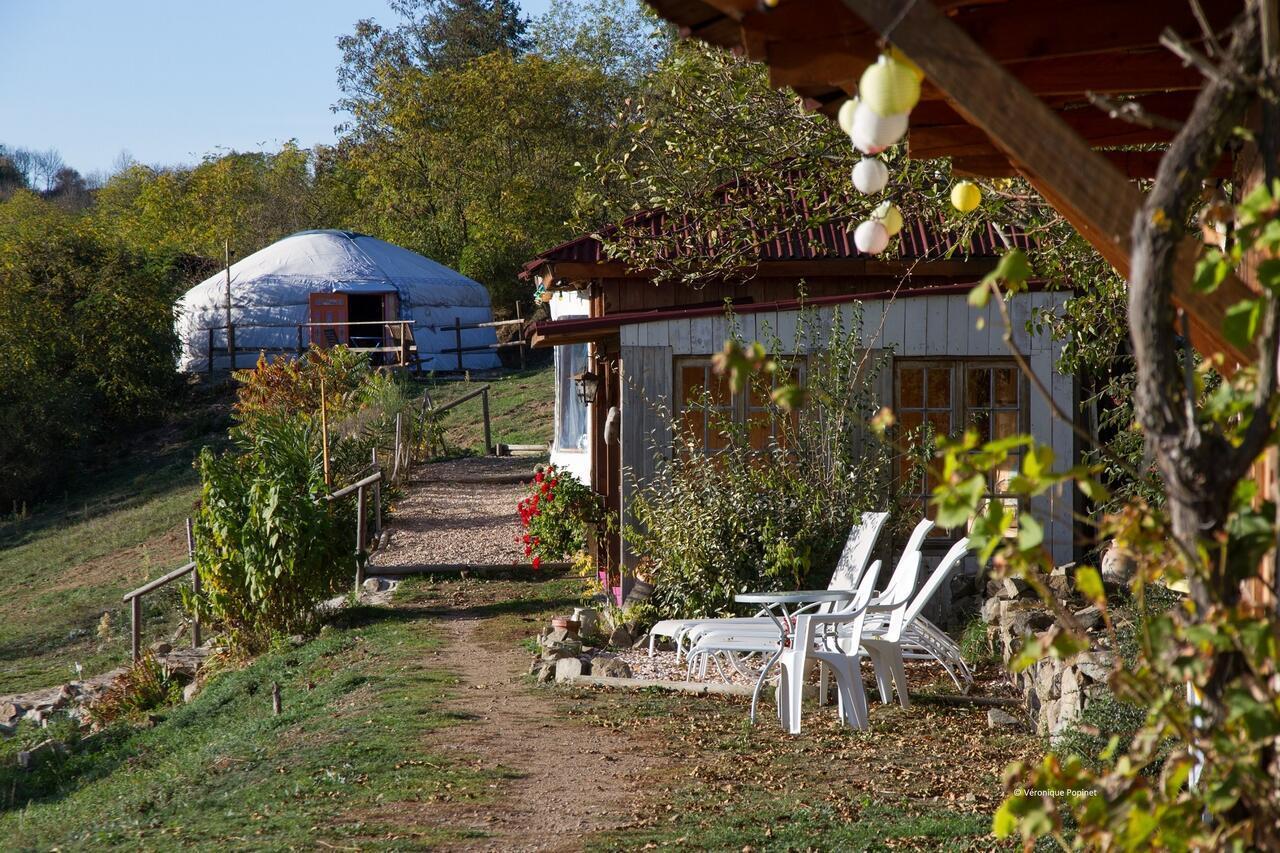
<point x="368" y="486"/>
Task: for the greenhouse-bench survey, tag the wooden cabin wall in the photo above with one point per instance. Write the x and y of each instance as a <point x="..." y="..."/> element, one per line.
<point x="641" y="294"/>
<point x="646" y="392"/>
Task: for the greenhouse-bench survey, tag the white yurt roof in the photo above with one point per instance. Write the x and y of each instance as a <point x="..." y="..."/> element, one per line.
<point x="271" y="291"/>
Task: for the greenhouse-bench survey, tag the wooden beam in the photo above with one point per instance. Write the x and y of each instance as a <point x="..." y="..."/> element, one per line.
<point x="1134" y="164"/>
<point x="1085" y="187"/>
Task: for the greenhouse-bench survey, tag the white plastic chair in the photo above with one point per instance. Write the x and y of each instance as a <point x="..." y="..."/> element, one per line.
<point x="883" y="644"/>
<point x="816" y="639"/>
<point x="853" y="561"/>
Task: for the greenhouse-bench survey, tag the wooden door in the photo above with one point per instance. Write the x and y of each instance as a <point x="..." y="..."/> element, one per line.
<point x="328" y="308"/>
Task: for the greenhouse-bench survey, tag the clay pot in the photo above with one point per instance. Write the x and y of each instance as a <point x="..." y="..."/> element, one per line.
<point x="567" y="624"/>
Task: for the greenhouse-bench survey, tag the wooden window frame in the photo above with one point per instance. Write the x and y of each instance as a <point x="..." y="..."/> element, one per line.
<point x="740" y="409"/>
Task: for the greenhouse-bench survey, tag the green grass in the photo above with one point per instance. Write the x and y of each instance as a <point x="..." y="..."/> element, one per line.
<point x="224" y="773"/>
<point x="69" y="561"/>
<point x="521" y="410"/>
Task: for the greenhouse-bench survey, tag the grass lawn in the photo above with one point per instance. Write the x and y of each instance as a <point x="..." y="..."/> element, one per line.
<point x="70" y="560"/>
<point x="521" y="410"/>
<point x="224" y="773"/>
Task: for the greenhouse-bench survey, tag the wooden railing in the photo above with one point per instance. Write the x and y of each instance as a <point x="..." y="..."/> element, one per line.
<point x="405" y="345"/>
<point x="369" y="484"/>
<point x="459" y="327"/>
<point x="433" y="412"/>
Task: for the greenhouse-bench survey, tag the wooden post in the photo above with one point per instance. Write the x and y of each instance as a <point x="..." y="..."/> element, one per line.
<point x="211" y="353"/>
<point x="484" y="408"/>
<point x="521" y="347"/>
<point x="359" y="538"/>
<point x="457" y="336"/>
<point x="377" y="498"/>
<point x="300" y="346"/>
<point x="324" y="436"/>
<point x="404" y="344"/>
<point x="399" y="460"/>
<point x="135" y="634"/>
<point x="195" y="586"/>
<point x="231" y="329"/>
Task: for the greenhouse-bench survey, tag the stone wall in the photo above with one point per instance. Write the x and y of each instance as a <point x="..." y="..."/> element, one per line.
<point x="1054" y="691"/>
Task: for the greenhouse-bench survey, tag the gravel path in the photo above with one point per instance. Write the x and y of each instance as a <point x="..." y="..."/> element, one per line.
<point x="462" y="511"/>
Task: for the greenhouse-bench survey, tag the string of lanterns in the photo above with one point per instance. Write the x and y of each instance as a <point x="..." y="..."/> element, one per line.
<point x="875" y="120"/>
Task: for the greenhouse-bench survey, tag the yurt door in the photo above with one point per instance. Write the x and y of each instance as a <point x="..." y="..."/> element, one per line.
<point x="328" y="308"/>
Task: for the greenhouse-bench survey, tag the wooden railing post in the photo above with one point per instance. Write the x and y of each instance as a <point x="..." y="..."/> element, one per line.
<point x="377" y="498"/>
<point x="195" y="586"/>
<point x="360" y="538"/>
<point x="231" y="343"/>
<point x="484" y="406"/>
<point x="457" y="335"/>
<point x="211" y="353"/>
<point x="300" y="347"/>
<point x="135" y="633"/>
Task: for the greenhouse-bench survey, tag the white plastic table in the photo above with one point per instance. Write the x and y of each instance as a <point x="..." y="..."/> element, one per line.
<point x="776" y="604"/>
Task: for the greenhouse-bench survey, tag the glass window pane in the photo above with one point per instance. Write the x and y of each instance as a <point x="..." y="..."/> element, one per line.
<point x="939" y="380"/>
<point x="571" y="420"/>
<point x="910" y="421"/>
<point x="692" y="422"/>
<point x="691" y="379"/>
<point x="981" y="421"/>
<point x="978" y="386"/>
<point x="941" y="422"/>
<point x="1006" y="386"/>
<point x="1006" y="424"/>
<point x="718" y="389"/>
<point x="911" y="387"/>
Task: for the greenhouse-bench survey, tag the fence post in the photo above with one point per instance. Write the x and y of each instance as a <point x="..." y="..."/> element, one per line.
<point x="395" y="465"/>
<point x="299" y="340"/>
<point x="484" y="406"/>
<point x="135" y="634"/>
<point x="211" y="353"/>
<point x="377" y="497"/>
<point x="457" y="336"/>
<point x="518" y="317"/>
<point x="360" y="537"/>
<point x="404" y="344"/>
<point x="195" y="586"/>
<point x="231" y="343"/>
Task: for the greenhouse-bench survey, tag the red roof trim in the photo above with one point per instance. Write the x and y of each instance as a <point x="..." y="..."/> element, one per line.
<point x="582" y="325"/>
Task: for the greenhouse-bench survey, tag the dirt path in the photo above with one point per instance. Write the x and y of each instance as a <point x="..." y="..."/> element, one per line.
<point x="565" y="779"/>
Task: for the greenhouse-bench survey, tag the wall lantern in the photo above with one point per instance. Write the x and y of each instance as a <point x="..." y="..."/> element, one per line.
<point x="588" y="386"/>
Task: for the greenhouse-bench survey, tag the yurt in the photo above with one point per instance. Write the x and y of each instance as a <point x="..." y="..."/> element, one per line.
<point x="320" y="288"/>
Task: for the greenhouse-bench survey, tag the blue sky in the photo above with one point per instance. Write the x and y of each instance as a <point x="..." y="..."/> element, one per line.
<point x="171" y="80"/>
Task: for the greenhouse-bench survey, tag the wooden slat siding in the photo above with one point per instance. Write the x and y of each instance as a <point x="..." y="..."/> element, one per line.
<point x="937" y="319"/>
<point x="913" y="327"/>
<point x="872" y="312"/>
<point x="959" y="318"/>
<point x="895" y="325"/>
<point x="786" y="329"/>
<point x="1019" y="313"/>
<point x="678" y="336"/>
<point x="1042" y="430"/>
<point x="1090" y="192"/>
<point x="646" y="372"/>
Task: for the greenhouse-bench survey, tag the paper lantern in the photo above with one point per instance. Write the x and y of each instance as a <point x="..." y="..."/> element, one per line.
<point x="844" y="117"/>
<point x="902" y="59"/>
<point x="870" y="176"/>
<point x="889" y="87"/>
<point x="872" y="132"/>
<point x="871" y="237"/>
<point x="965" y="196"/>
<point x="888" y="216"/>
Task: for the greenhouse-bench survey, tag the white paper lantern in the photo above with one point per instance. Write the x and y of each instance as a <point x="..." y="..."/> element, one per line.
<point x="844" y="117"/>
<point x="871" y="238"/>
<point x="888" y="216"/>
<point x="889" y="87"/>
<point x="873" y="132"/>
<point x="870" y="176"/>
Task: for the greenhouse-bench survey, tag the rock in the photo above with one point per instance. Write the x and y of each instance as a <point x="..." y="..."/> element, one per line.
<point x="161" y="648"/>
<point x="621" y="638"/>
<point x="29" y="758"/>
<point x="189" y="692"/>
<point x="559" y="643"/>
<point x="1047" y="675"/>
<point x="11" y="712"/>
<point x="990" y="610"/>
<point x="374" y="584"/>
<point x="1118" y="568"/>
<point x="35" y="715"/>
<point x="1012" y="589"/>
<point x="997" y="719"/>
<point x="1089" y="618"/>
<point x="1062" y="587"/>
<point x="567" y="668"/>
<point x="546" y="673"/>
<point x="610" y="667"/>
<point x="1095" y="665"/>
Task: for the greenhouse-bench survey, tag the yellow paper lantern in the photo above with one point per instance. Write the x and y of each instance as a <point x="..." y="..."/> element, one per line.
<point x="888" y="216"/>
<point x="901" y="58"/>
<point x="844" y="117"/>
<point x="889" y="87"/>
<point x="965" y="196"/>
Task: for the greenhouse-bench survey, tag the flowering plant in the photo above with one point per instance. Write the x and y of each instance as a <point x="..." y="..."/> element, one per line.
<point x="556" y="515"/>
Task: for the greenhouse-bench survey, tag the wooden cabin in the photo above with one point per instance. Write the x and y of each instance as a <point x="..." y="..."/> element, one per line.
<point x="649" y="346"/>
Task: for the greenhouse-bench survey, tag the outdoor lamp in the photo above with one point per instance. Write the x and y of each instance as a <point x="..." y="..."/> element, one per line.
<point x="588" y="386"/>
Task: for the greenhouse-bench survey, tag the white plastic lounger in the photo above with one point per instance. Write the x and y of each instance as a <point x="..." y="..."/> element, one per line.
<point x="848" y="571"/>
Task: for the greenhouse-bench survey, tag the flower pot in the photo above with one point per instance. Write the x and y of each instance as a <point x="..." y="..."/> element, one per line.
<point x="567" y="624"/>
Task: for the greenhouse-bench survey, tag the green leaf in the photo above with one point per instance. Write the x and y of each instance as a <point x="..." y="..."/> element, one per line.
<point x="1268" y="275"/>
<point x="1089" y="583"/>
<point x="1211" y="271"/>
<point x="1030" y="533"/>
<point x="1014" y="269"/>
<point x="980" y="295"/>
<point x="1005" y="821"/>
<point x="1240" y="325"/>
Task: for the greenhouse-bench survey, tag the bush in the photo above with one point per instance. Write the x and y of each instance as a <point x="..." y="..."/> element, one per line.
<point x="145" y="686"/>
<point x="557" y="515"/>
<point x="710" y="526"/>
<point x="268" y="547"/>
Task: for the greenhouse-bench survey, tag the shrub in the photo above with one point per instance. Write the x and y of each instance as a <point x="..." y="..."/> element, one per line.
<point x="709" y="526"/>
<point x="143" y="687"/>
<point x="557" y="514"/>
<point x="268" y="547"/>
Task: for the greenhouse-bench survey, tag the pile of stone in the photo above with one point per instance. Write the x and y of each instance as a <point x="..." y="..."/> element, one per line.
<point x="564" y="656"/>
<point x="1054" y="692"/>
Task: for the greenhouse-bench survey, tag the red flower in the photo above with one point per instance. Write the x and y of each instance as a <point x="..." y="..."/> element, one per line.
<point x="537" y="563"/>
<point x="526" y="539"/>
<point x="537" y="478"/>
